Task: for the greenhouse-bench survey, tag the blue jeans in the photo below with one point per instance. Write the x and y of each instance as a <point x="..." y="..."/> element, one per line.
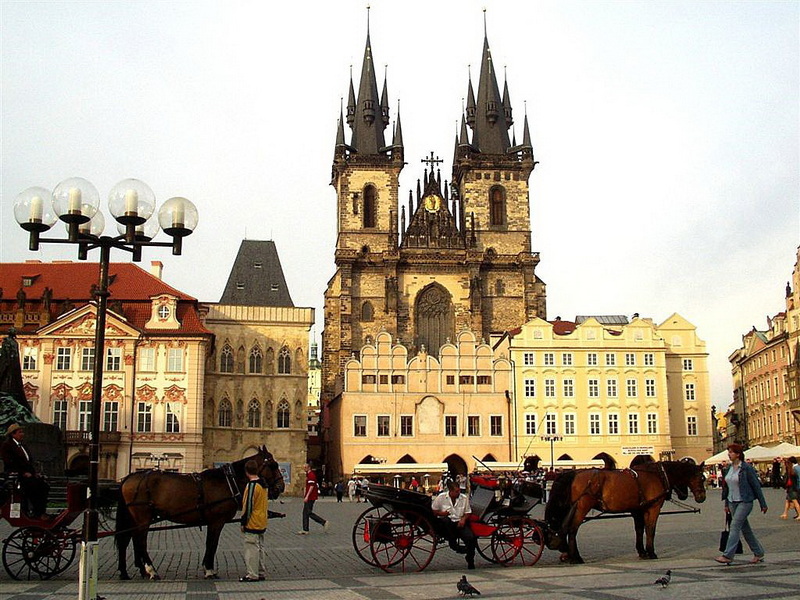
<point x="740" y="526"/>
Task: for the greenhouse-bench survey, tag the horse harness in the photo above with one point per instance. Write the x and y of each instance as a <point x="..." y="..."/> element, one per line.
<point x="643" y="502"/>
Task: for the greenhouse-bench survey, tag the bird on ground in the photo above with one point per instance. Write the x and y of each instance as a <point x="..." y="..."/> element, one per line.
<point x="664" y="580"/>
<point x="465" y="588"/>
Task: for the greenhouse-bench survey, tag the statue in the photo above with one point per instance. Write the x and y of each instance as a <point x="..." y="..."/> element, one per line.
<point x="21" y="299"/>
<point x="12" y="394"/>
<point x="47" y="297"/>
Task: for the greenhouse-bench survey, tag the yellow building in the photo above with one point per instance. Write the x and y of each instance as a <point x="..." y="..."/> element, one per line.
<point x="604" y="387"/>
<point x="410" y="414"/>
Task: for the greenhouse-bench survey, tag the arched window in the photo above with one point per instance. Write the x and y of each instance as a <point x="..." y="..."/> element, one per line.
<point x="497" y="207"/>
<point x="256" y="360"/>
<point x="367" y="311"/>
<point x="283" y="414"/>
<point x="369" y="206"/>
<point x="224" y="413"/>
<point x="226" y="359"/>
<point x="254" y="414"/>
<point x="435" y="318"/>
<point x="285" y="361"/>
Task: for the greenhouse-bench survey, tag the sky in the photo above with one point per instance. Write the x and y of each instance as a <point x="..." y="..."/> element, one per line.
<point x="666" y="134"/>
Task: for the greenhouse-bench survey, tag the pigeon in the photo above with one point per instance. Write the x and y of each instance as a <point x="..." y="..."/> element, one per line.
<point x="664" y="581"/>
<point x="465" y="588"/>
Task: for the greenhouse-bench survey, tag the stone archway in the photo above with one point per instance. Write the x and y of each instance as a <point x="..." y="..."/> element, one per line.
<point x="456" y="465"/>
<point x="611" y="463"/>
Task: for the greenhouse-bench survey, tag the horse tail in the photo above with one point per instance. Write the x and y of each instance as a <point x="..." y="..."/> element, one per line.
<point x="559" y="502"/>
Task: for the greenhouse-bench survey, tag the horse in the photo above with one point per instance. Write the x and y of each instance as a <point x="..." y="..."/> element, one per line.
<point x="209" y="498"/>
<point x="640" y="491"/>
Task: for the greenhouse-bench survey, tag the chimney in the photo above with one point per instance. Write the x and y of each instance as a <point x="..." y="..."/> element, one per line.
<point x="156" y="267"/>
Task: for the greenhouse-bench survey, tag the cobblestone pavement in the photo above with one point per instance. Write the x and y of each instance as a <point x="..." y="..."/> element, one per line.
<point x="325" y="564"/>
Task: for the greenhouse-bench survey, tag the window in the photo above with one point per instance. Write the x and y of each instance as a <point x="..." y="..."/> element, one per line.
<point x="530" y="388"/>
<point x="360" y="425"/>
<point x="451" y="379"/>
<point x="549" y="359"/>
<point x="649" y="359"/>
<point x="406" y="425"/>
<point x="569" y="388"/>
<point x="284" y="361"/>
<point x="144" y="417"/>
<point x="611" y="388"/>
<point x="499" y="287"/>
<point x="530" y="424"/>
<point x="550" y="425"/>
<point x="688" y="364"/>
<point x="29" y="355"/>
<point x="147" y="359"/>
<point x="60" y="414"/>
<point x="496" y="207"/>
<point x="528" y="359"/>
<point x="632" y="388"/>
<point x="550" y="388"/>
<point x="254" y="414"/>
<point x="256" y="360"/>
<point x="63" y="359"/>
<point x="496" y="425"/>
<point x="224" y="413"/>
<point x="367" y="313"/>
<point x="484" y="380"/>
<point x="383" y="379"/>
<point x="87" y="359"/>
<point x="613" y="424"/>
<point x="611" y="359"/>
<point x="172" y="422"/>
<point x="85" y="415"/>
<point x="633" y="424"/>
<point x="630" y="359"/>
<point x="369" y="379"/>
<point x="566" y="359"/>
<point x="650" y="388"/>
<point x="383" y="425"/>
<point x="652" y="423"/>
<point x="110" y="415"/>
<point x="283" y="415"/>
<point x="466" y="379"/>
<point x="594" y="424"/>
<point x="473" y="425"/>
<point x="691" y="425"/>
<point x="163" y="312"/>
<point x="369" y="206"/>
<point x="226" y="359"/>
<point x="689" y="390"/>
<point x="401" y="379"/>
<point x="451" y="425"/>
<point x="175" y="360"/>
<point x="569" y="424"/>
<point x="594" y="388"/>
<point x="591" y="359"/>
<point x="113" y="359"/>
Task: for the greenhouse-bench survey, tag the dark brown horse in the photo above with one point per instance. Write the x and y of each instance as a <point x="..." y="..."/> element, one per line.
<point x="209" y="498"/>
<point x="640" y="491"/>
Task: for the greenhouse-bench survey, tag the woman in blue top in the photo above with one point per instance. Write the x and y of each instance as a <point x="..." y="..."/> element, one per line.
<point x="740" y="488"/>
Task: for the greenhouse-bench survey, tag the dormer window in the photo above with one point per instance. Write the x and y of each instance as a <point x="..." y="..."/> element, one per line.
<point x="274" y="287"/>
<point x="163" y="312"/>
<point x="239" y="285"/>
<point x="27" y="281"/>
<point x="258" y="264"/>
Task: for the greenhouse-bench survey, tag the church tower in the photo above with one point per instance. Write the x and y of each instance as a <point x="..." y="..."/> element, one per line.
<point x="453" y="256"/>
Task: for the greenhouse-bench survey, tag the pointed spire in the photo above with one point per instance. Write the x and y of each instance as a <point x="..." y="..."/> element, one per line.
<point x="398" y="130"/>
<point x="526" y="134"/>
<point x="464" y="139"/>
<point x="490" y="130"/>
<point x="507" y="101"/>
<point x="385" y="96"/>
<point x="470" y="101"/>
<point x="368" y="122"/>
<point x="351" y="101"/>
<point x="340" y="144"/>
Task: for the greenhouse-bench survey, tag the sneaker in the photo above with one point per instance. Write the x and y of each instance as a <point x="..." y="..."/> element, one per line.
<point x="246" y="578"/>
<point x="326" y="526"/>
<point x="302" y="532"/>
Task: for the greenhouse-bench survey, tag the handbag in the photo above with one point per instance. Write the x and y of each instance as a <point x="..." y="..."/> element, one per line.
<point x="725" y="534"/>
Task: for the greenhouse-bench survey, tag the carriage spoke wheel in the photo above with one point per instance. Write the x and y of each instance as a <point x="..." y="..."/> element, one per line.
<point x="518" y="541"/>
<point x="403" y="541"/>
<point x="33" y="551"/>
<point x="484" y="543"/>
<point x="363" y="530"/>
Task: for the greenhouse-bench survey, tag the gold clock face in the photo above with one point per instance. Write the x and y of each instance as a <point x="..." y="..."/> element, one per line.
<point x="432" y="203"/>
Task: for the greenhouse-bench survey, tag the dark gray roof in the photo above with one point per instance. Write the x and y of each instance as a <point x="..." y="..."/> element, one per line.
<point x="604" y="319"/>
<point x="256" y="278"/>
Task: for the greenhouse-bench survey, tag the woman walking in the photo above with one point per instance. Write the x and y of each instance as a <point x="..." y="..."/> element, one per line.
<point x="740" y="488"/>
<point x="792" y="484"/>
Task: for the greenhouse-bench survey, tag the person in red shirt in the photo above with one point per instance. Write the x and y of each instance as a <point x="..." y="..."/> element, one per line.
<point x="310" y="496"/>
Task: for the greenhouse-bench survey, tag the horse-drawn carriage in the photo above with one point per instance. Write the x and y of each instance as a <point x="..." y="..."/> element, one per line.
<point x="401" y="533"/>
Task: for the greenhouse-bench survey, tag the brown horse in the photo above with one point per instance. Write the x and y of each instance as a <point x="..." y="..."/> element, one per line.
<point x="209" y="498"/>
<point x="640" y="491"/>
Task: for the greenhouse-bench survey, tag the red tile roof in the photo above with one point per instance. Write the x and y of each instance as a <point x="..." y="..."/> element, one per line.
<point x="563" y="327"/>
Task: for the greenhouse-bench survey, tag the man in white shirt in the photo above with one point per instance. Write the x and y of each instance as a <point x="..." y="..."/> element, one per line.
<point x="452" y="507"/>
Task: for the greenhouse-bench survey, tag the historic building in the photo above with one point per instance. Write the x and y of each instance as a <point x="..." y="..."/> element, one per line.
<point x="400" y="411"/>
<point x="454" y="256"/>
<point x="793" y="344"/>
<point x="257" y="374"/>
<point x="606" y="387"/>
<point x="154" y="362"/>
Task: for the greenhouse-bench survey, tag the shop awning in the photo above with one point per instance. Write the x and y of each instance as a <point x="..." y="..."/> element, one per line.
<point x="383" y="468"/>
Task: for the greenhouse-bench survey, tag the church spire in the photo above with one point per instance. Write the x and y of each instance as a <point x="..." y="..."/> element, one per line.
<point x="369" y="119"/>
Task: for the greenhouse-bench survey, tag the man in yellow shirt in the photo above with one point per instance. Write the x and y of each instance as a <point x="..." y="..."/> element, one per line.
<point x="254" y="524"/>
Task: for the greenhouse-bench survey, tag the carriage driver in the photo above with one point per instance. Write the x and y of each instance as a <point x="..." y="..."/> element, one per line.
<point x="452" y="507"/>
<point x="16" y="459"/>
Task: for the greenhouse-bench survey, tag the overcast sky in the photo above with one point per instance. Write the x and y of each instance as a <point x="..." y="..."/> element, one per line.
<point x="667" y="135"/>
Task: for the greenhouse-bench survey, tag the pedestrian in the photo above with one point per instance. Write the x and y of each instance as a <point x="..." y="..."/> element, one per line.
<point x="310" y="496"/>
<point x="351" y="490"/>
<point x="792" y="484"/>
<point x="414" y="484"/>
<point x="775" y="475"/>
<point x="254" y="523"/>
<point x="17" y="460"/>
<point x="740" y="488"/>
<point x="339" y="489"/>
<point x="452" y="507"/>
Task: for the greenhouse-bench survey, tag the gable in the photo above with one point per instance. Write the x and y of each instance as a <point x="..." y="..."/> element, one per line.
<point x="82" y="321"/>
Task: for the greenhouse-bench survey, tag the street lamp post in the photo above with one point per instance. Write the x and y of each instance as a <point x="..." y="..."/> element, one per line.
<point x="76" y="201"/>
<point x="552" y="439"/>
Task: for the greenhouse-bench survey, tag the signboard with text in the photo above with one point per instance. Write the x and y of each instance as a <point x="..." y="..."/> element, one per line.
<point x="635" y="450"/>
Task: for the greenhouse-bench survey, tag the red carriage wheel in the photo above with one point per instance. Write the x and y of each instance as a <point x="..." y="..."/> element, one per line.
<point x="518" y="541"/>
<point x="403" y="541"/>
<point x="362" y="532"/>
